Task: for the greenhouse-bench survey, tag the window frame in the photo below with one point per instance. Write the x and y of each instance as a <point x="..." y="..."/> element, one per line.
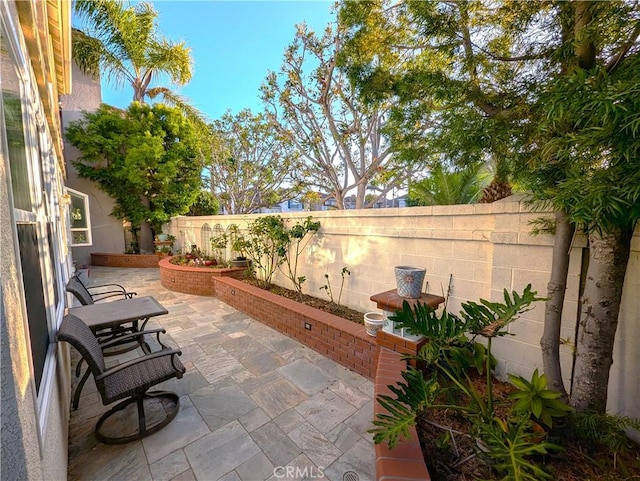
<point x="85" y="201"/>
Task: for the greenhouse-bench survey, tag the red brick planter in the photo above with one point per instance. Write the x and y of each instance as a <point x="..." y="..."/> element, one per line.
<point x="405" y="462"/>
<point x="194" y="280"/>
<point x="343" y="341"/>
<point x="124" y="260"/>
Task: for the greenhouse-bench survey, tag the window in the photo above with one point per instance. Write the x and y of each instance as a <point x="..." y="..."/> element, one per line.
<point x="34" y="191"/>
<point x="295" y="205"/>
<point x="80" y="222"/>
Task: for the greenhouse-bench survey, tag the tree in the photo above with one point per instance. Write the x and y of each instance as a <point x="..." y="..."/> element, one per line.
<point x="147" y="158"/>
<point x="447" y="187"/>
<point x="550" y="89"/>
<point x="251" y="165"/>
<point x="205" y="204"/>
<point x="339" y="137"/>
<point x="122" y="43"/>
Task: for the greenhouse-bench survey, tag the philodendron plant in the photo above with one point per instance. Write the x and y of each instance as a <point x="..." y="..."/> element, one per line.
<point x="451" y="351"/>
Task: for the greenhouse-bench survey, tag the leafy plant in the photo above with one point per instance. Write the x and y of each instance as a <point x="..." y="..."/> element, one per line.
<point x="412" y="397"/>
<point x="489" y="319"/>
<point x="510" y="445"/>
<point x="219" y="245"/>
<point x="296" y="239"/>
<point x="533" y="398"/>
<point x="603" y="429"/>
<point x="265" y="241"/>
<point x="450" y="352"/>
<point x="327" y="286"/>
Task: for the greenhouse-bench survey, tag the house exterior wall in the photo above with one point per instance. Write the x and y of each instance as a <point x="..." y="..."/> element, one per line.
<point x="482" y="248"/>
<point x="106" y="231"/>
<point x="34" y="422"/>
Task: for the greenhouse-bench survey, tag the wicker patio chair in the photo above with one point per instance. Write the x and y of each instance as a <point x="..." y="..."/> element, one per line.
<point x="129" y="381"/>
<point x="89" y="295"/>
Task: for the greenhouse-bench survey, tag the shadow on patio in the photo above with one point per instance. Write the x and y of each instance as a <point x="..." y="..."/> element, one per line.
<point x="254" y="403"/>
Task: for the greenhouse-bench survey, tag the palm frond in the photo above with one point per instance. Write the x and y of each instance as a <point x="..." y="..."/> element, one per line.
<point x="181" y="102"/>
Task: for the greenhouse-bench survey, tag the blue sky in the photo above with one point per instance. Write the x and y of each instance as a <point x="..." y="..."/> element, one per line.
<point x="234" y="44"/>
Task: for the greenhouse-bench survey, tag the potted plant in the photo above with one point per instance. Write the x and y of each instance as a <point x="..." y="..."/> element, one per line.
<point x="238" y="245"/>
<point x="163" y="251"/>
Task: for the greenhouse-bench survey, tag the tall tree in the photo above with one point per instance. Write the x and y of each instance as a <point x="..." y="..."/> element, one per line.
<point x="339" y="137"/>
<point x="251" y="165"/>
<point x="122" y="43"/>
<point x="147" y="158"/>
<point x="551" y="89"/>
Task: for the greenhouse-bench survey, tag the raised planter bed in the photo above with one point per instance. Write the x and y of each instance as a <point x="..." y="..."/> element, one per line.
<point x="405" y="462"/>
<point x="124" y="260"/>
<point x="343" y="341"/>
<point x="197" y="281"/>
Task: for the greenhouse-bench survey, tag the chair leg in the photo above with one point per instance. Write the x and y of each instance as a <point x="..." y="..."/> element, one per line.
<point x="76" y="394"/>
<point x="143" y="429"/>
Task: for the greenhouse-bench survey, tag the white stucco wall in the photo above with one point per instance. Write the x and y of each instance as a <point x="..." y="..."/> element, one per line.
<point x="107" y="231"/>
<point x="485" y="248"/>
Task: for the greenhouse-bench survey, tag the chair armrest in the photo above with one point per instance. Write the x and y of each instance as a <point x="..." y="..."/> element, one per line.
<point x="100" y="296"/>
<point x="133" y="335"/>
<point x="133" y="362"/>
<point x="121" y="288"/>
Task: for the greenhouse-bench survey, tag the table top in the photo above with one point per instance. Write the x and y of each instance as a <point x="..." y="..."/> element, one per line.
<point x="106" y="314"/>
<point x="391" y="301"/>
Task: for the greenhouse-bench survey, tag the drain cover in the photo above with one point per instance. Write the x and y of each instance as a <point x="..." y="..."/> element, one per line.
<point x="350" y="476"/>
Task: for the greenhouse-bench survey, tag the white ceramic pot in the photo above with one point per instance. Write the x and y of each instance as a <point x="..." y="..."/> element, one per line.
<point x="373" y="322"/>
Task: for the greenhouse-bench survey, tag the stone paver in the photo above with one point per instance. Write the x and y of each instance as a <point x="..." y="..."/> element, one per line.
<point x="255" y="404"/>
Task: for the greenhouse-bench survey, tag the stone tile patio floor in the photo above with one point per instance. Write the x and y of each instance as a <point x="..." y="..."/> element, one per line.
<point x="252" y="403"/>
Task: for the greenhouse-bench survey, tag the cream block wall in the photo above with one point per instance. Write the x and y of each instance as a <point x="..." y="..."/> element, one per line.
<point x="482" y="248"/>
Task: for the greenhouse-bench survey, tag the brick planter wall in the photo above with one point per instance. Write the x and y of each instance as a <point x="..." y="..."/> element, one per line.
<point x="193" y="280"/>
<point x="343" y="341"/>
<point x="124" y="260"/>
<point x="404" y="462"/>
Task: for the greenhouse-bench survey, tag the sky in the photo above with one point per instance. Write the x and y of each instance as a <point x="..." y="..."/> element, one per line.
<point x="234" y="45"/>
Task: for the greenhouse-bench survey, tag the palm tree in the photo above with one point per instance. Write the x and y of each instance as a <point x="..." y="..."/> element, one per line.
<point x="444" y="187"/>
<point x="121" y="42"/>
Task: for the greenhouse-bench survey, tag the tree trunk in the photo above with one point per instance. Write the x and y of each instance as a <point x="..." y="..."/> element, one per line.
<point x="550" y="342"/>
<point x="609" y="254"/>
<point x="146" y="239"/>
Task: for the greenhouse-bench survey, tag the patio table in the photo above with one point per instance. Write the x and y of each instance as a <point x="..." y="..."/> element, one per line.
<point x="112" y="316"/>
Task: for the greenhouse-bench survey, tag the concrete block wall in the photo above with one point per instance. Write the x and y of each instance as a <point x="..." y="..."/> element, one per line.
<point x="482" y="248"/>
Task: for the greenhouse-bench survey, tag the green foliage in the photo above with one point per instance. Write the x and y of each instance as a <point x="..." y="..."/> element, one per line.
<point x="412" y="397"/>
<point x="251" y="166"/>
<point x="446" y="332"/>
<point x="534" y="399"/>
<point x="327" y="287"/>
<point x="450" y="352"/>
<point x="510" y="447"/>
<point x="264" y="242"/>
<point x="121" y="43"/>
<point x="298" y="236"/>
<point x="219" y="245"/>
<point x="443" y="187"/>
<point x="489" y="319"/>
<point x="205" y="204"/>
<point x="146" y="158"/>
<point x="603" y="429"/>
